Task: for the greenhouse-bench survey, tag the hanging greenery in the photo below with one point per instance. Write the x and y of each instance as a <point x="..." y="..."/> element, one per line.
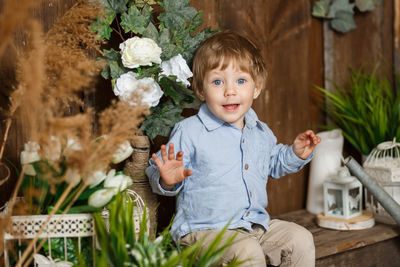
<point x="341" y="12"/>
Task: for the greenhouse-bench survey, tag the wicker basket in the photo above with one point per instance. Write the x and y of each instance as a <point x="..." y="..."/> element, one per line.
<point x="59" y="226"/>
<point x="135" y="167"/>
<point x="63" y="226"/>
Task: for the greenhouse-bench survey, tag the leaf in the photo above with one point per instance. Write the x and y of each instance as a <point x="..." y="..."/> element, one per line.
<point x="134" y="21"/>
<point x="83" y="209"/>
<point x="151" y="71"/>
<point x="151" y="32"/>
<point x="102" y="24"/>
<point x="116" y="70"/>
<point x="175" y="91"/>
<point x="320" y="8"/>
<point x="118" y="6"/>
<point x="162" y="120"/>
<point x="196" y="21"/>
<point x="343" y="22"/>
<point x="365" y="5"/>
<point x="176" y="13"/>
<point x="340" y="6"/>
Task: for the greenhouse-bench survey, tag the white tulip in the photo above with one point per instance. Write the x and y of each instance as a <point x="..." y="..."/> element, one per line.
<point x="96" y="178"/>
<point x="121" y="182"/>
<point x="29" y="169"/>
<point x="31" y="153"/>
<point x="178" y="67"/>
<point x="123" y="152"/>
<point x="143" y="91"/>
<point x="52" y="150"/>
<point x="72" y="176"/>
<point x="101" y="197"/>
<point x="138" y="51"/>
<point x="73" y="145"/>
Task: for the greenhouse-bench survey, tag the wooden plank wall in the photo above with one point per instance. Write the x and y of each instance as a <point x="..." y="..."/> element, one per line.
<point x="292" y="45"/>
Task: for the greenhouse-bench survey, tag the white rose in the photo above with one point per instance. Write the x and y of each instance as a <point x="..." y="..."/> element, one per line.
<point x="177" y="66"/>
<point x="101" y="197"/>
<point x="140" y="52"/>
<point x="144" y="91"/>
<point x="123" y="152"/>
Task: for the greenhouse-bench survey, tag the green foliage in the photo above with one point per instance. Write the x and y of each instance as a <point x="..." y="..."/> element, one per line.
<point x="175" y="30"/>
<point x="120" y="246"/>
<point x="341" y="12"/>
<point x="368" y="112"/>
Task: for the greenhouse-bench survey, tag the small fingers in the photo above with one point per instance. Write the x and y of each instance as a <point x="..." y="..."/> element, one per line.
<point x="187" y="172"/>
<point x="163" y="153"/>
<point x="179" y="156"/>
<point x="157" y="161"/>
<point x="171" y="152"/>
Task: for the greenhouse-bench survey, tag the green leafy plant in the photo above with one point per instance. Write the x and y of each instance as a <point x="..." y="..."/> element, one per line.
<point x="341" y="12"/>
<point x="174" y="34"/>
<point x="368" y="112"/>
<point x="121" y="247"/>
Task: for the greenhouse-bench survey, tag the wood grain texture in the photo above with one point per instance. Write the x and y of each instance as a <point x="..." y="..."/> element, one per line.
<point x="330" y="242"/>
<point x="46" y="13"/>
<point x="370" y="45"/>
<point x="281" y="30"/>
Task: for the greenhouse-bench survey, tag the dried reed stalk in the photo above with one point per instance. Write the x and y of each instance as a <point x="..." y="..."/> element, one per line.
<point x="53" y="75"/>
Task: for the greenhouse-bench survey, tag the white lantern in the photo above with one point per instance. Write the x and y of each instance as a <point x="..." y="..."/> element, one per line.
<point x="342" y="195"/>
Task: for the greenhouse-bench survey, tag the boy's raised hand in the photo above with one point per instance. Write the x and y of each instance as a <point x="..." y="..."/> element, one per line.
<point x="172" y="170"/>
<point x="305" y="143"/>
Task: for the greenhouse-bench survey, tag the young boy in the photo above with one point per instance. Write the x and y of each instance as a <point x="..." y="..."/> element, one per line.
<point x="225" y="157"/>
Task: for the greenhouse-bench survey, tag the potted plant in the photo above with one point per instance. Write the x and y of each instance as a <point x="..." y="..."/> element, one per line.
<point x="368" y="111"/>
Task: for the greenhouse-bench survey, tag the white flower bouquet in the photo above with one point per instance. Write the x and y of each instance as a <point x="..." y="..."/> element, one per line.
<point x="150" y="67"/>
<point x="92" y="193"/>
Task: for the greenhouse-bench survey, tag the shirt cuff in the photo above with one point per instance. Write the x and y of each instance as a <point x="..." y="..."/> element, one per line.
<point x="154" y="178"/>
<point x="297" y="160"/>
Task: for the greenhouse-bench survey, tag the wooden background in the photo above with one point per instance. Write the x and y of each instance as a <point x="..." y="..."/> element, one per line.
<point x="292" y="42"/>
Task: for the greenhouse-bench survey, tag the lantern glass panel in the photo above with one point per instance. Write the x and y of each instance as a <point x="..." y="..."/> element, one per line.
<point x="355" y="200"/>
<point x="335" y="201"/>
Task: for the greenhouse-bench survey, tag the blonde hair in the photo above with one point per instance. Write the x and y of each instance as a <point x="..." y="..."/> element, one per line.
<point x="220" y="50"/>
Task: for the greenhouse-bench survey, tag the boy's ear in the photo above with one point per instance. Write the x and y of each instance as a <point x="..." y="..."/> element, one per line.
<point x="200" y="95"/>
<point x="256" y="92"/>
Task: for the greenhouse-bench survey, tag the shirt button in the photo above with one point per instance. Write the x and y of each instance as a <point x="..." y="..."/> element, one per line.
<point x="251" y="194"/>
<point x="248" y="213"/>
<point x="243" y="140"/>
<point x="246" y="166"/>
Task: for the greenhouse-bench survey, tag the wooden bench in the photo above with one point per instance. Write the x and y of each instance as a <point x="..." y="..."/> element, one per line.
<point x="377" y="246"/>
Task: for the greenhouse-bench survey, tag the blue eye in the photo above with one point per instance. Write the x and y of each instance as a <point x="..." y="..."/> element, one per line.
<point x="241" y="81"/>
<point x="217" y="82"/>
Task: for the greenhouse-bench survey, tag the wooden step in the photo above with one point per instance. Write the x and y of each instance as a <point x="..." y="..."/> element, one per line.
<point x="376" y="246"/>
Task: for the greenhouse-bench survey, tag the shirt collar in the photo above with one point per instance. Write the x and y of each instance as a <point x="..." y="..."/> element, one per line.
<point x="212" y="122"/>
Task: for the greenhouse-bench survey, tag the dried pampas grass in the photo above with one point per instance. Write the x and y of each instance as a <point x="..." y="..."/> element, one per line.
<point x="55" y="71"/>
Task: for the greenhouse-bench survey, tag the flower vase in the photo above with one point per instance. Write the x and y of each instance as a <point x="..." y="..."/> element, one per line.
<point x="326" y="161"/>
<point x="135" y="168"/>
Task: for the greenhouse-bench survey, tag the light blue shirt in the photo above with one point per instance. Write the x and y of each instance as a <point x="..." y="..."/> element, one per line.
<point x="230" y="172"/>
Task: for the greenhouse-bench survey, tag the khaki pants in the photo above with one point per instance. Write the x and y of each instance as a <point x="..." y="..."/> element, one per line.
<point x="285" y="244"/>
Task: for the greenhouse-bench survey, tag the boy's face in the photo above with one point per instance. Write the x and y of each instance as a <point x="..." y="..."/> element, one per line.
<point x="229" y="93"/>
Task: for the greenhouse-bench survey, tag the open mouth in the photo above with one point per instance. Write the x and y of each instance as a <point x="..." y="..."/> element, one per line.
<point x="231" y="107"/>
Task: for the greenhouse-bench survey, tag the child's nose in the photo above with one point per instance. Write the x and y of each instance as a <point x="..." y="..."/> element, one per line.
<point x="230" y="90"/>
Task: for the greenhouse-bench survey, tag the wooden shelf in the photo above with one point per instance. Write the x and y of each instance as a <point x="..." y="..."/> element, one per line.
<point x="330" y="242"/>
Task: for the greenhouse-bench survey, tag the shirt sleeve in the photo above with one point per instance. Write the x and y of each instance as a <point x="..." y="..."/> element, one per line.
<point x="180" y="144"/>
<point x="284" y="161"/>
